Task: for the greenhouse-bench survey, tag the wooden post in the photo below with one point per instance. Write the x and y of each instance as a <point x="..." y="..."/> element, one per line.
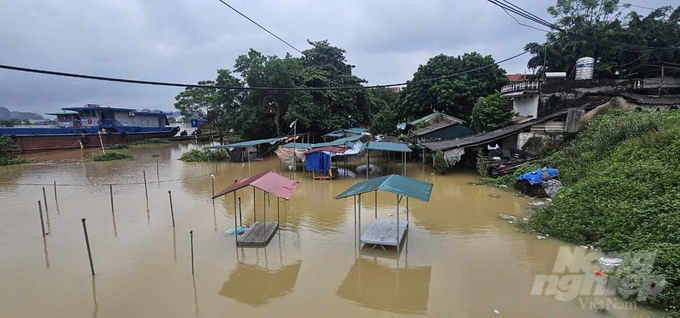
<point x="87" y="242"/>
<point x="111" y="191"/>
<point x="42" y="223"/>
<point x="158" y="174"/>
<point x="45" y="198"/>
<point x="191" y="233"/>
<point x="172" y="212"/>
<point x="146" y="190"/>
<point x="55" y="191"/>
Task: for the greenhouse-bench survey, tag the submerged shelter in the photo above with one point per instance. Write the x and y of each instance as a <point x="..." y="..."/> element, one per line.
<point x="388" y="232"/>
<point x="259" y="233"/>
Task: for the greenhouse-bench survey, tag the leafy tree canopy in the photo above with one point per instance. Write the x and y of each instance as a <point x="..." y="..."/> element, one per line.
<point x="604" y="19"/>
<point x="492" y="112"/>
<point x="453" y="96"/>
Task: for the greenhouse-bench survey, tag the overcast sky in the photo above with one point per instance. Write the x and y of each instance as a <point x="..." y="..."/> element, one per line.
<point x="188" y="40"/>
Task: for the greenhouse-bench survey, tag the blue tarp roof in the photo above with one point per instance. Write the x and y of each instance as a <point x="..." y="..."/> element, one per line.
<point x="408" y="187"/>
<point x="388" y="146"/>
<point x="249" y="143"/>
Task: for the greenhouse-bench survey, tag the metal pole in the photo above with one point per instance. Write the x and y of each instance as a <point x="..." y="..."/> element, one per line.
<point x="407" y="212"/>
<point x="55" y="191"/>
<point x="294" y="146"/>
<point x="235" y="223"/>
<point x="264" y="206"/>
<point x="111" y="191"/>
<point x="359" y="216"/>
<point x="240" y="218"/>
<point x="191" y="233"/>
<point x="42" y="223"/>
<point x="376" y="204"/>
<point x="368" y="162"/>
<point x="158" y="174"/>
<point x="87" y="242"/>
<point x="398" y="224"/>
<point x="243" y="163"/>
<point x="45" y="198"/>
<point x="355" y="211"/>
<point x="278" y="210"/>
<point x="146" y="190"/>
<point x="172" y="212"/>
<point x="213" y="185"/>
<point x="254" y="206"/>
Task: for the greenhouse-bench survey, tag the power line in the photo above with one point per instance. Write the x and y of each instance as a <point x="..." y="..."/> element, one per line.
<point x="508" y="6"/>
<point x="240" y="88"/>
<point x="261" y="27"/>
<point x="642" y="7"/>
<point x="522" y="24"/>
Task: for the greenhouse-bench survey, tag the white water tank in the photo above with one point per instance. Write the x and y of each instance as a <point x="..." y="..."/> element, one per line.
<point x="584" y="68"/>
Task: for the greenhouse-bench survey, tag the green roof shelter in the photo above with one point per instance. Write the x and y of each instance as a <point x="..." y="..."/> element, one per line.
<point x="387" y="232"/>
<point x="387" y="146"/>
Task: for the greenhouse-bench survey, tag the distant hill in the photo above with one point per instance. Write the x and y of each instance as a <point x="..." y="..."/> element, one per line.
<point x="7" y="114"/>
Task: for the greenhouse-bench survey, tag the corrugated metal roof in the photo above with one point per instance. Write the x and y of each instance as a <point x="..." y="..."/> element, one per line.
<point x="249" y="143"/>
<point x="433" y="127"/>
<point x="408" y="187"/>
<point x="268" y="181"/>
<point x="298" y="145"/>
<point x="430" y="116"/>
<point x="388" y="146"/>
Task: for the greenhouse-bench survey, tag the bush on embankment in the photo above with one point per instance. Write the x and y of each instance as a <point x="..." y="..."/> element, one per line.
<point x="6" y="158"/>
<point x="112" y="155"/>
<point x="622" y="189"/>
<point x="205" y="155"/>
<point x="150" y="141"/>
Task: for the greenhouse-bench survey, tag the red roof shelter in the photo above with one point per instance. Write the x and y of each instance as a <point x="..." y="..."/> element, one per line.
<point x="259" y="233"/>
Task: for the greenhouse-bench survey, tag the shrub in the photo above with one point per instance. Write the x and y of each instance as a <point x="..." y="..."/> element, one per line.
<point x="403" y="137"/>
<point x="5" y="157"/>
<point x="204" y="138"/>
<point x="205" y="155"/>
<point x="421" y="125"/>
<point x="112" y="155"/>
<point x="439" y="162"/>
<point x="482" y="164"/>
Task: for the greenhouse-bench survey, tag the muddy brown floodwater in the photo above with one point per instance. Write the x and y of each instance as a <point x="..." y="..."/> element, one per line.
<point x="459" y="260"/>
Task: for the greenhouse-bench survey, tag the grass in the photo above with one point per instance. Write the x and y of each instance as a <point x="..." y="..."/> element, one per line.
<point x="112" y="155"/>
<point x="118" y="146"/>
<point x="150" y="141"/>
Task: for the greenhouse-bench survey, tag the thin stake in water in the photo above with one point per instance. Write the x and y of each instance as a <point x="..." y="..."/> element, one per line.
<point x="172" y="212"/>
<point x="146" y="191"/>
<point x="191" y="233"/>
<point x="45" y="198"/>
<point x="87" y="242"/>
<point x="111" y="191"/>
<point x="42" y="223"/>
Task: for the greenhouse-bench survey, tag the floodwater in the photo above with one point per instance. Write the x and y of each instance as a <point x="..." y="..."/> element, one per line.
<point x="459" y="259"/>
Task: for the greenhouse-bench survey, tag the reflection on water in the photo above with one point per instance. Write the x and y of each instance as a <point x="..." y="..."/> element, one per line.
<point x="459" y="258"/>
<point x="255" y="285"/>
<point x="378" y="284"/>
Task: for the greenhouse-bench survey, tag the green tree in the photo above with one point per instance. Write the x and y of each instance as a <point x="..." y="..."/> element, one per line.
<point x="218" y="105"/>
<point x="492" y="112"/>
<point x="455" y="95"/>
<point x="602" y="19"/>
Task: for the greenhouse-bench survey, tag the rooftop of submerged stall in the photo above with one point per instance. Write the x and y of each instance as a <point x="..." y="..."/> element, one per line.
<point x="388" y="146"/>
<point x="408" y="187"/>
<point x="267" y="181"/>
<point x="249" y="143"/>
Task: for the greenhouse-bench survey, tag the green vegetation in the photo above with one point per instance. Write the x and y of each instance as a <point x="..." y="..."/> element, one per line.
<point x="403" y="137"/>
<point x="112" y="155"/>
<point x="482" y="164"/>
<point x="421" y="125"/>
<point x="150" y="141"/>
<point x="156" y="155"/>
<point x="13" y="122"/>
<point x="492" y="112"/>
<point x="607" y="19"/>
<point x="439" y="162"/>
<point x="205" y="155"/>
<point x="204" y="138"/>
<point x="118" y="146"/>
<point x="622" y="189"/>
<point x="5" y="157"/>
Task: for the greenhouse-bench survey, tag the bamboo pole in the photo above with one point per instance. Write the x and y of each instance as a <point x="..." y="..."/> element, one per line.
<point x="42" y="223"/>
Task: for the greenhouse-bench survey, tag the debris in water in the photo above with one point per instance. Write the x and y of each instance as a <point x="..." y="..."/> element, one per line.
<point x="494" y="195"/>
<point x="610" y="262"/>
<point x="508" y="217"/>
<point x="240" y="229"/>
<point x="541" y="237"/>
<point x="537" y="203"/>
<point x="496" y="312"/>
<point x="502" y="186"/>
<point x="600" y="273"/>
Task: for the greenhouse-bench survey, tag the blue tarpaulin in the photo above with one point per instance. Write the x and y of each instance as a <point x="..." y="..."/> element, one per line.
<point x="318" y="161"/>
<point x="534" y="177"/>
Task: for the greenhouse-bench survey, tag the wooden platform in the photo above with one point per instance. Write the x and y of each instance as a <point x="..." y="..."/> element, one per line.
<point x="258" y="234"/>
<point x="384" y="232"/>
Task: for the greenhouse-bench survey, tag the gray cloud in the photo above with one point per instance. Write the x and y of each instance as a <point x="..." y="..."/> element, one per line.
<point x="188" y="40"/>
